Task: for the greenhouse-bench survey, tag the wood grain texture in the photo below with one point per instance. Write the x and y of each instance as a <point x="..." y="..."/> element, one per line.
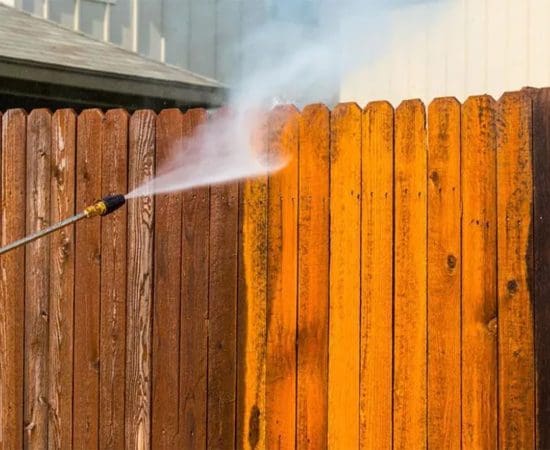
<point x="166" y="304"/>
<point x="313" y="279"/>
<point x="345" y="257"/>
<point x="282" y="273"/>
<point x="37" y="278"/>
<point x="113" y="284"/>
<point x="222" y="315"/>
<point x="410" y="321"/>
<point x="516" y="374"/>
<point x="139" y="288"/>
<point x="62" y="259"/>
<point x="479" y="277"/>
<point x="541" y="248"/>
<point x="444" y="269"/>
<point x="376" y="277"/>
<point x="12" y="279"/>
<point x="194" y="305"/>
<point x="87" y="282"/>
<point x="251" y="324"/>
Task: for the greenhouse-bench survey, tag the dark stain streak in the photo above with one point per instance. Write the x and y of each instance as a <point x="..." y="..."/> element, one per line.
<point x="254" y="427"/>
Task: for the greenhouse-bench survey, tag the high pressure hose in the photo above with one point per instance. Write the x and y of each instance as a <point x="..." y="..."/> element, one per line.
<point x="103" y="207"/>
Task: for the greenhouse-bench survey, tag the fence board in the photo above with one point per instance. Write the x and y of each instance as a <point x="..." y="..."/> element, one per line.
<point x="166" y="304"/>
<point x="12" y="279"/>
<point x="194" y="306"/>
<point x="282" y="215"/>
<point x="313" y="278"/>
<point x="87" y="282"/>
<point x="222" y="315"/>
<point x="113" y="284"/>
<point x="515" y="263"/>
<point x="251" y="325"/>
<point x="218" y="335"/>
<point x="37" y="271"/>
<point x="410" y="319"/>
<point x="139" y="290"/>
<point x="345" y="227"/>
<point x="377" y="277"/>
<point x="479" y="321"/>
<point x="444" y="268"/>
<point x="62" y="257"/>
<point x="541" y="247"/>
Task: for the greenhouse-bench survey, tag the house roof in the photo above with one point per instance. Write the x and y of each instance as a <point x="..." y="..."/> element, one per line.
<point x="35" y="50"/>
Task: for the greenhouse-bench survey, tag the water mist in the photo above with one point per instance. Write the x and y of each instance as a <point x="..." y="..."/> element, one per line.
<point x="281" y="62"/>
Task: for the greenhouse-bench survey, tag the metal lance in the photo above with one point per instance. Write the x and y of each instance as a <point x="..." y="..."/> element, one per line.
<point x="103" y="207"/>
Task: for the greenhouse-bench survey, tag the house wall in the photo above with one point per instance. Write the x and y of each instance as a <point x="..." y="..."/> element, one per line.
<point x="441" y="48"/>
<point x="467" y="47"/>
<point x="199" y="35"/>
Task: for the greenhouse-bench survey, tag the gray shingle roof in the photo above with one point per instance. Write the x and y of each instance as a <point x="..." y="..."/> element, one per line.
<point x="39" y="42"/>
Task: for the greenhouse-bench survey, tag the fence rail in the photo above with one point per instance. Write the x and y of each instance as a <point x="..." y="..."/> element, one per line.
<point x="387" y="289"/>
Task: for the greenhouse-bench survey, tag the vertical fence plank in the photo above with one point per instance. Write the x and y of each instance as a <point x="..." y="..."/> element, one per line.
<point x="62" y="256"/>
<point x="87" y="282"/>
<point x="313" y="278"/>
<point x="410" y="319"/>
<point x="282" y="215"/>
<point x="345" y="226"/>
<point x="479" y="278"/>
<point x="113" y="284"/>
<point x="444" y="267"/>
<point x="541" y="247"/>
<point x="12" y="279"/>
<point x="222" y="315"/>
<point x="37" y="271"/>
<point x="194" y="306"/>
<point x="139" y="290"/>
<point x="251" y="322"/>
<point x="166" y="304"/>
<point x="516" y="374"/>
<point x="377" y="277"/>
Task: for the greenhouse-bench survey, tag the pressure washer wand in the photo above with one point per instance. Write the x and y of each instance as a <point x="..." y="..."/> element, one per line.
<point x="103" y="207"/>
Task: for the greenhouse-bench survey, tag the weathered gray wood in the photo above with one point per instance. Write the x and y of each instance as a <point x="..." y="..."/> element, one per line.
<point x="37" y="274"/>
<point x="12" y="279"/>
<point x="62" y="257"/>
<point x="139" y="287"/>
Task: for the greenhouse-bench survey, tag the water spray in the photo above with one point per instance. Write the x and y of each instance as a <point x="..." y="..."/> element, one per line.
<point x="103" y="207"/>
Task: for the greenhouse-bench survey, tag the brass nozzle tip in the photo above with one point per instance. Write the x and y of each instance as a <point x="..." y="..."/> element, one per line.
<point x="97" y="209"/>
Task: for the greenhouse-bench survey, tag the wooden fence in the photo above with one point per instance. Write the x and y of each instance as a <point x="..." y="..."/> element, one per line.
<point x="389" y="289"/>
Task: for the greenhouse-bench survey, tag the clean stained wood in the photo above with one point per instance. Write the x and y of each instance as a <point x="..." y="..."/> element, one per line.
<point x="194" y="302"/>
<point x="479" y="273"/>
<point x="114" y="169"/>
<point x="376" y="277"/>
<point x="37" y="272"/>
<point x="87" y="282"/>
<point x="410" y="321"/>
<point x="516" y="371"/>
<point x="282" y="219"/>
<point x="12" y="278"/>
<point x="166" y="304"/>
<point x="62" y="259"/>
<point x="313" y="278"/>
<point x="444" y="265"/>
<point x="541" y="248"/>
<point x="251" y="325"/>
<point x="345" y="268"/>
<point x="222" y="313"/>
<point x="139" y="288"/>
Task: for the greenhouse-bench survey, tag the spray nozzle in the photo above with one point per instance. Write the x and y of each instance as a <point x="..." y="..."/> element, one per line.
<point x="106" y="205"/>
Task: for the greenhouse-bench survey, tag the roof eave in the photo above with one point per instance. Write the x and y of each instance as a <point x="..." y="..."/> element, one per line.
<point x="183" y="94"/>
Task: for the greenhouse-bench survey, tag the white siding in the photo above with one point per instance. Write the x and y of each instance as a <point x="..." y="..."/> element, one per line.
<point x="468" y="47"/>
